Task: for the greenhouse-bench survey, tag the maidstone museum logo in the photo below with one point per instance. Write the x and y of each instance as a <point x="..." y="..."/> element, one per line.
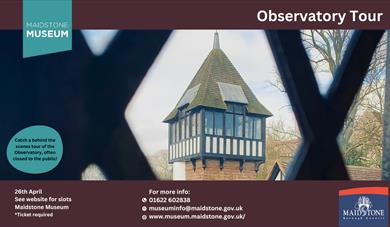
<point x="47" y="27"/>
<point x="363" y="207"/>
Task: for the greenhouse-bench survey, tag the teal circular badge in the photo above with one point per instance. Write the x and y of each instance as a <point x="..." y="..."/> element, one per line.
<point x="36" y="149"/>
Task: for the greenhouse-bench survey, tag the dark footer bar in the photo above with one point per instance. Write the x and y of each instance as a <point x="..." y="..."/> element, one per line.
<point x="163" y="203"/>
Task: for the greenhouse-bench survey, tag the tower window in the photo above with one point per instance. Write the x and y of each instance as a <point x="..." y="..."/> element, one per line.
<point x="229" y="124"/>
<point x="257" y="131"/>
<point x="188" y="126"/>
<point x="248" y="127"/>
<point x="199" y="123"/>
<point x="238" y="108"/>
<point x="183" y="129"/>
<point x="182" y="113"/>
<point x="193" y="124"/>
<point x="177" y="131"/>
<point x="238" y="125"/>
<point x="218" y="123"/>
<point x="172" y="135"/>
<point x="230" y="107"/>
<point x="209" y="122"/>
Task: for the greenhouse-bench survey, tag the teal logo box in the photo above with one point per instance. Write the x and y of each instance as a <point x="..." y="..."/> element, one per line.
<point x="47" y="27"/>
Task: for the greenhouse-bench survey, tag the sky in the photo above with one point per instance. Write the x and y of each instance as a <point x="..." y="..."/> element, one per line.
<point x="178" y="63"/>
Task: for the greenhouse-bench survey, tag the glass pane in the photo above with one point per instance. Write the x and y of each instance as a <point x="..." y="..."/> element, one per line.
<point x="229" y="124"/>
<point x="249" y="127"/>
<point x="238" y="126"/>
<point x="199" y="125"/>
<point x="187" y="126"/>
<point x="171" y="133"/>
<point x="229" y="108"/>
<point x="181" y="113"/>
<point x="183" y="129"/>
<point x="257" y="132"/>
<point x="177" y="131"/>
<point x="209" y="122"/>
<point x="218" y="123"/>
<point x="239" y="108"/>
<point x="193" y="124"/>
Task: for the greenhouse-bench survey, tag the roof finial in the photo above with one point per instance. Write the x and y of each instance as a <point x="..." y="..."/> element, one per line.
<point x="216" y="41"/>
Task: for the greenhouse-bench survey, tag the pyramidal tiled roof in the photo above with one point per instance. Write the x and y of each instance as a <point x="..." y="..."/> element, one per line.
<point x="217" y="68"/>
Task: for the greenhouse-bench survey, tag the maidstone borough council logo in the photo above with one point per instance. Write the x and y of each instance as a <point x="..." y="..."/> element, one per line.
<point x="365" y="207"/>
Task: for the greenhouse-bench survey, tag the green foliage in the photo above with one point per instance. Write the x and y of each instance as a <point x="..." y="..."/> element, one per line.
<point x="355" y="157"/>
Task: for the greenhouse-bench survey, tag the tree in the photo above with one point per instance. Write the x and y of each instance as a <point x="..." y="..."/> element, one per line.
<point x="326" y="49"/>
<point x="366" y="140"/>
<point x="282" y="142"/>
<point x="159" y="163"/>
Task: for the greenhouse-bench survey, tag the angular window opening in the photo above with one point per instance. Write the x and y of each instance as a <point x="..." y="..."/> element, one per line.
<point x="229" y="128"/>
<point x="93" y="173"/>
<point x="361" y="137"/>
<point x="325" y="49"/>
<point x="99" y="40"/>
